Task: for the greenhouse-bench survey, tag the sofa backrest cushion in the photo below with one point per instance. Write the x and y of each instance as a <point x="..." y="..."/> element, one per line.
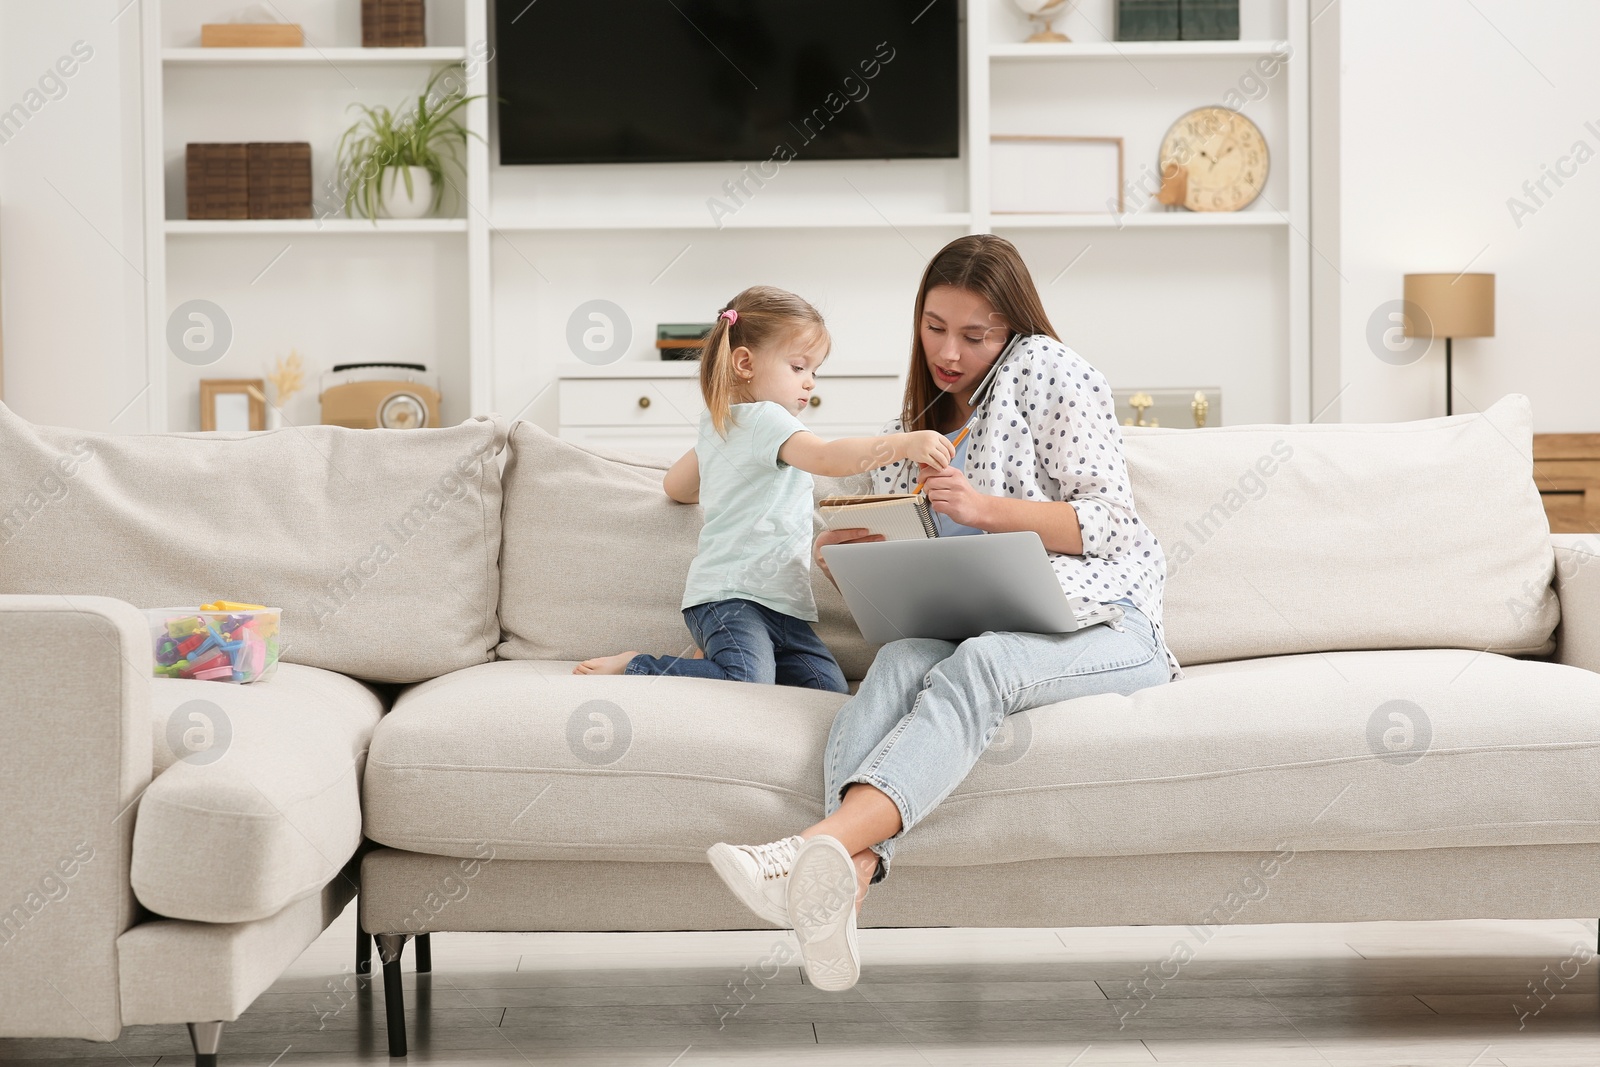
<point x="595" y="556"/>
<point x="380" y="546"/>
<point x="1308" y="538"/>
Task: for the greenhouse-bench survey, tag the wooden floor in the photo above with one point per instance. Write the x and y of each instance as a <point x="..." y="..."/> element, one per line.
<point x="1449" y="993"/>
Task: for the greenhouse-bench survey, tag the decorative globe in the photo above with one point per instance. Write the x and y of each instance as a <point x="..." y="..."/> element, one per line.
<point x="1043" y="12"/>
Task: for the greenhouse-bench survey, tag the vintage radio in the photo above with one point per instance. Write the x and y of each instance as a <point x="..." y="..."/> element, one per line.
<point x="391" y="396"/>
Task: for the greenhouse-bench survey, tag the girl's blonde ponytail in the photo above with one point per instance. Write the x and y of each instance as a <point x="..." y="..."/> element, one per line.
<point x="717" y="374"/>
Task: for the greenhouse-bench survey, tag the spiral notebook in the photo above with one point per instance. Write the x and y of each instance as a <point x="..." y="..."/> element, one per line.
<point x="897" y="516"/>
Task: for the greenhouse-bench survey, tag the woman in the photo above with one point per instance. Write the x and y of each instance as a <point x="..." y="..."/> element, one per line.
<point x="1044" y="454"/>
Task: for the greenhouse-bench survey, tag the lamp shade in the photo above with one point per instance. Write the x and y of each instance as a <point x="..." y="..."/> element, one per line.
<point x="1455" y="305"/>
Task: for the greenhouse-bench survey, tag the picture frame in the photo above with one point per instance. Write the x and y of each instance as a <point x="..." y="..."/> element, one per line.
<point x="233" y="405"/>
<point x="1042" y="174"/>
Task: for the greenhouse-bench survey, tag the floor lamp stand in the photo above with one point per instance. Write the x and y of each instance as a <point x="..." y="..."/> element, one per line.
<point x="1449" y="393"/>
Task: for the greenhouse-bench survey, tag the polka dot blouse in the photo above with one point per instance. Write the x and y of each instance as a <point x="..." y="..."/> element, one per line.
<point x="1049" y="432"/>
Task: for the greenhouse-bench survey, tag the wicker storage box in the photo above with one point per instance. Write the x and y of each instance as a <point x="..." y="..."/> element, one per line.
<point x="393" y="24"/>
<point x="217" y="181"/>
<point x="280" y="180"/>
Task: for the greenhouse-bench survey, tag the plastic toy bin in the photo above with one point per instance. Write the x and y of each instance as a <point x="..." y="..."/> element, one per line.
<point x="219" y="646"/>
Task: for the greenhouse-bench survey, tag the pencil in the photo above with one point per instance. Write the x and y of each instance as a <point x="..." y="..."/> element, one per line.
<point x="962" y="436"/>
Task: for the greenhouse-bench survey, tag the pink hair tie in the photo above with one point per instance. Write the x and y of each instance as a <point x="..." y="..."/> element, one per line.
<point x="731" y="315"/>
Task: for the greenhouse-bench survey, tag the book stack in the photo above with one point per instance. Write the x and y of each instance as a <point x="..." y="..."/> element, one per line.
<point x="393" y="24"/>
<point x="1177" y="20"/>
<point x="258" y="180"/>
<point x="681" y="340"/>
<point x="1208" y="20"/>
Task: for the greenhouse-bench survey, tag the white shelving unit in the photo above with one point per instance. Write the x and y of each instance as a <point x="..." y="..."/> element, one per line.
<point x="335" y="289"/>
<point x="488" y="297"/>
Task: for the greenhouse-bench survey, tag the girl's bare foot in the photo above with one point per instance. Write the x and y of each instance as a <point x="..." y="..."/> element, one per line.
<point x="605" y="664"/>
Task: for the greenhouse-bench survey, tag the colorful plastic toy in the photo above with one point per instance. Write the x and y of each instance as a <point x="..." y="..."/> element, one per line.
<point x="224" y="641"/>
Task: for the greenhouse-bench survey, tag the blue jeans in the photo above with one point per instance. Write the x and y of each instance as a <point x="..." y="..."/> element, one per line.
<point x="749" y="642"/>
<point x="928" y="709"/>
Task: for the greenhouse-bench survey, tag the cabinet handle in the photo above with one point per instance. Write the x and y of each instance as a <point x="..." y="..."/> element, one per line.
<point x="816" y="401"/>
<point x="644" y="401"/>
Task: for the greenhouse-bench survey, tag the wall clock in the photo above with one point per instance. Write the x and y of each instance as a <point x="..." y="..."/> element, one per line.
<point x="1221" y="157"/>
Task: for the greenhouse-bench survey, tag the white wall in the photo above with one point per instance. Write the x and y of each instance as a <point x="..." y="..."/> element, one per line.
<point x="1446" y="109"/>
<point x="71" y="239"/>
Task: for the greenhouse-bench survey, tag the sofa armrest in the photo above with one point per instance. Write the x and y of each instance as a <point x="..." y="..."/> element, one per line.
<point x="75" y="754"/>
<point x="1578" y="588"/>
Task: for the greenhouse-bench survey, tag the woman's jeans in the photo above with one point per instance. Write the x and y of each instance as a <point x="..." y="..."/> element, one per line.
<point x="749" y="642"/>
<point x="928" y="709"/>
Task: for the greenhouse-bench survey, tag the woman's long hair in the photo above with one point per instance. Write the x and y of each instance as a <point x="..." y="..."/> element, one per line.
<point x="992" y="268"/>
<point x="764" y="316"/>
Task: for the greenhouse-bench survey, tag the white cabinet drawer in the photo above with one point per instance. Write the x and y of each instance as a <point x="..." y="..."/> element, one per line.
<point x="630" y="402"/>
<point x="855" y="401"/>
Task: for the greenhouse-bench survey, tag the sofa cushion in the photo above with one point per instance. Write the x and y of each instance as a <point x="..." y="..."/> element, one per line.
<point x="527" y="760"/>
<point x="380" y="546"/>
<point x="1306" y="538"/>
<point x="257" y="799"/>
<point x="595" y="556"/>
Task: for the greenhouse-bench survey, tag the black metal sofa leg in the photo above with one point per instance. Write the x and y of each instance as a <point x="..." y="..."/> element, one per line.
<point x="424" y="953"/>
<point x="363" y="953"/>
<point x="205" y="1037"/>
<point x="394" y="998"/>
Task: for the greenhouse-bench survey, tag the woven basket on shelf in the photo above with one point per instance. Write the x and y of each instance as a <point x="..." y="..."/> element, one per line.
<point x="280" y="180"/>
<point x="217" y="181"/>
<point x="259" y="180"/>
<point x="393" y="24"/>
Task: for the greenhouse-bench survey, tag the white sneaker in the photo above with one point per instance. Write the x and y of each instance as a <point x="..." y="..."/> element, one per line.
<point x="758" y="875"/>
<point x="822" y="910"/>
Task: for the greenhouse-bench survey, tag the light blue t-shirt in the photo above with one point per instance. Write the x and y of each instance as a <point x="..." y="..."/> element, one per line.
<point x="756" y="541"/>
<point x="949" y="527"/>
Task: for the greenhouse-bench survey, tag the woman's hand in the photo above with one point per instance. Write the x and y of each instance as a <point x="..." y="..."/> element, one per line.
<point x="854" y="535"/>
<point x="951" y="494"/>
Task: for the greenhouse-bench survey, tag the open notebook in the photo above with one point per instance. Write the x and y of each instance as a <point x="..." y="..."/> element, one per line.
<point x="897" y="516"/>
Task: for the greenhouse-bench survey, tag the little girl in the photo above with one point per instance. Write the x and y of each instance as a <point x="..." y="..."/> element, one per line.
<point x="748" y="602"/>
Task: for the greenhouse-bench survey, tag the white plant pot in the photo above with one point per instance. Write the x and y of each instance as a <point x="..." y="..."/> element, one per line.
<point x="397" y="203"/>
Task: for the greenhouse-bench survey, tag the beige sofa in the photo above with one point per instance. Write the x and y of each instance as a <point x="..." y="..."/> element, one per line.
<point x="1380" y="716"/>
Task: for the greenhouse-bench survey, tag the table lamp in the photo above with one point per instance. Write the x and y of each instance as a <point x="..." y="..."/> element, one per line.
<point x="1452" y="305"/>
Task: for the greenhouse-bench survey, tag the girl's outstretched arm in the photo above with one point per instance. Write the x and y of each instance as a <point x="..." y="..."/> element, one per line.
<point x="682" y="481"/>
<point x="856" y="455"/>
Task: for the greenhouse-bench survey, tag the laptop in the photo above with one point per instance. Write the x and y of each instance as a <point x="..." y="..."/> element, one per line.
<point x="953" y="588"/>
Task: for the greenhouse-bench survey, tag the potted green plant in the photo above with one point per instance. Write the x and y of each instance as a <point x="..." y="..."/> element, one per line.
<point x="392" y="166"/>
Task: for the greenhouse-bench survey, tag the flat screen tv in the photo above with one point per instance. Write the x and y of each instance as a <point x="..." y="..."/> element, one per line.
<point x="663" y="81"/>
